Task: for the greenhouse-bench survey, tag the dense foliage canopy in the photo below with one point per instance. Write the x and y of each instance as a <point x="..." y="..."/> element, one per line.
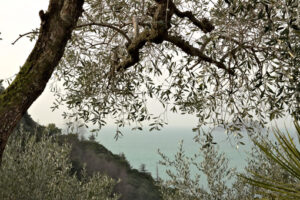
<point x="229" y="62"/>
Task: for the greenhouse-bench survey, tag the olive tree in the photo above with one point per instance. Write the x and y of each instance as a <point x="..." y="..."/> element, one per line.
<point x="186" y="175"/>
<point x="229" y="62"/>
<point x="42" y="170"/>
<point x="57" y="25"/>
<point x="272" y="171"/>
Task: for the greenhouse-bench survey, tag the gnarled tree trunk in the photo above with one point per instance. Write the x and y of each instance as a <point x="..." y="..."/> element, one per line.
<point x="56" y="28"/>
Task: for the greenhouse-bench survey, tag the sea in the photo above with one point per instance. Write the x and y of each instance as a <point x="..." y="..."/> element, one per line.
<point x="141" y="147"/>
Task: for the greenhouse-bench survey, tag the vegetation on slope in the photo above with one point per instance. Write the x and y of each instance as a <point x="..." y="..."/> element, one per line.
<point x="133" y="185"/>
<point x="95" y="158"/>
<point x="40" y="168"/>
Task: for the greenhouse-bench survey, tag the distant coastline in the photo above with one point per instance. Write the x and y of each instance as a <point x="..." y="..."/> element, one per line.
<point x="140" y="147"/>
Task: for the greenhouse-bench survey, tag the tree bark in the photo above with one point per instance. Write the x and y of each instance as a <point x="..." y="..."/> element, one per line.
<point x="56" y="28"/>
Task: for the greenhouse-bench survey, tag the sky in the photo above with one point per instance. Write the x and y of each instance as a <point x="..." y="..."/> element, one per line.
<point x="19" y="17"/>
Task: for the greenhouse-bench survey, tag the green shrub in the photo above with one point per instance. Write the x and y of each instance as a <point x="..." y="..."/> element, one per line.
<point x="41" y="170"/>
<point x="273" y="171"/>
<point x="185" y="185"/>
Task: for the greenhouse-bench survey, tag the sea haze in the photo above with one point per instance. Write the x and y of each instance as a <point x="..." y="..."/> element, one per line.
<point x="140" y="147"/>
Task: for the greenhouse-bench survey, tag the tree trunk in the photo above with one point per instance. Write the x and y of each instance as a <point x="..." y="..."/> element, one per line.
<point x="57" y="25"/>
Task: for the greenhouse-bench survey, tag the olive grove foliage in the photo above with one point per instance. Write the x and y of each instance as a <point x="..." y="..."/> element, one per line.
<point x="42" y="170"/>
<point x="267" y="175"/>
<point x="229" y="62"/>
<point x="186" y="175"/>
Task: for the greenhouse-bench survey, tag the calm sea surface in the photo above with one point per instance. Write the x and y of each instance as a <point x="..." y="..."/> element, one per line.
<point x="140" y="147"/>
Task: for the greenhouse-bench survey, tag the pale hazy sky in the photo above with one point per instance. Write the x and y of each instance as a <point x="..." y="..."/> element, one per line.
<point x="19" y="17"/>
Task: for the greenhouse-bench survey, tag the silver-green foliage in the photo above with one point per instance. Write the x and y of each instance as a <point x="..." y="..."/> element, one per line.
<point x="42" y="170"/>
<point x="256" y="39"/>
<point x="272" y="170"/>
<point x="187" y="184"/>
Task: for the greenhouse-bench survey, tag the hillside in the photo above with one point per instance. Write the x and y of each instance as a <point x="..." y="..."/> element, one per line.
<point x="134" y="185"/>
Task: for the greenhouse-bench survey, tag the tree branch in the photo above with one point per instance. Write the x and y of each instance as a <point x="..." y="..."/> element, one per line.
<point x="133" y="50"/>
<point x="190" y="50"/>
<point x="23" y="35"/>
<point x="108" y="26"/>
<point x="231" y="52"/>
<point x="204" y="24"/>
<point x="157" y="34"/>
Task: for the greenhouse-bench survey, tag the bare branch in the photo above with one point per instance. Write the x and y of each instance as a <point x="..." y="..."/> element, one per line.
<point x="23" y="35"/>
<point x="135" y="23"/>
<point x="108" y="26"/>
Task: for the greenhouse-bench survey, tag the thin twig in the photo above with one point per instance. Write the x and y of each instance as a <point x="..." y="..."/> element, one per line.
<point x="108" y="26"/>
<point x="22" y="35"/>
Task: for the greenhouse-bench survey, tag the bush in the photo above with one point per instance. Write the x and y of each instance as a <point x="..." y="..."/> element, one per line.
<point x="272" y="172"/>
<point x="183" y="185"/>
<point x="42" y="170"/>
